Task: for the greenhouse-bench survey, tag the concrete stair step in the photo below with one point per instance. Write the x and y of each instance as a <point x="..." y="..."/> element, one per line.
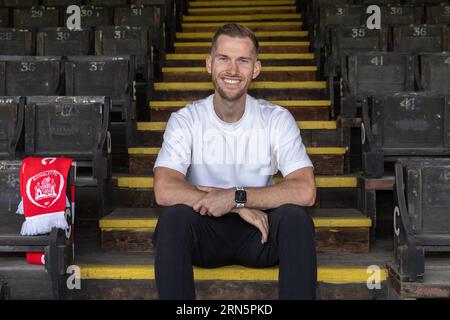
<point x="245" y="3"/>
<point x="241" y="10"/>
<point x="327" y="161"/>
<point x="244" y="17"/>
<point x="262" y="36"/>
<point x="264" y="47"/>
<point x="255" y="26"/>
<point x="131" y="229"/>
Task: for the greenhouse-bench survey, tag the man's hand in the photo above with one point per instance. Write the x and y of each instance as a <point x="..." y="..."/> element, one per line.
<point x="257" y="218"/>
<point x="216" y="202"/>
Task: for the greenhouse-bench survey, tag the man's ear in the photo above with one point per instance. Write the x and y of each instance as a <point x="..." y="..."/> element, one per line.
<point x="208" y="64"/>
<point x="256" y="69"/>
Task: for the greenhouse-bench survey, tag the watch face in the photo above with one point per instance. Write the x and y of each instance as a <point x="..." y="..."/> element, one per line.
<point x="241" y="196"/>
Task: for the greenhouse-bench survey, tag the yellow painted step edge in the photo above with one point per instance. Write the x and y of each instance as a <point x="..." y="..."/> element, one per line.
<point x="327" y="274"/>
<point x="261" y="56"/>
<point x="159" y="86"/>
<point x="310" y="150"/>
<point x="307" y="125"/>
<point x="264" y="69"/>
<point x="248" y="24"/>
<point x="321" y="182"/>
<point x="284" y="103"/>
<point x="141" y="225"/>
<point x="241" y="8"/>
<point x="196" y="4"/>
<point x="261" y="44"/>
<point x="247" y="17"/>
<point x="209" y="35"/>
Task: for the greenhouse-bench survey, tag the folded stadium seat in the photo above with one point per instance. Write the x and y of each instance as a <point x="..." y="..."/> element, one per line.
<point x="366" y="74"/>
<point x="111" y="76"/>
<point x="11" y="124"/>
<point x="422" y="195"/>
<point x="61" y="3"/>
<point x="93" y="16"/>
<point x="120" y="40"/>
<point x="438" y="14"/>
<point x="20" y="3"/>
<point x="112" y="3"/>
<point x="64" y="42"/>
<point x="404" y="124"/>
<point x="435" y="72"/>
<point x="419" y="38"/>
<point x="74" y="127"/>
<point x="26" y="75"/>
<point x="36" y="17"/>
<point x="57" y="245"/>
<point x="17" y="42"/>
<point x="4" y="17"/>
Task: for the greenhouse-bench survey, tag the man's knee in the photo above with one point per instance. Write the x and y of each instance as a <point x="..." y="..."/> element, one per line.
<point x="173" y="220"/>
<point x="293" y="216"/>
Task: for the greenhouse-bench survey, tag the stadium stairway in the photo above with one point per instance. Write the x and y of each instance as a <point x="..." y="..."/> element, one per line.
<point x="122" y="267"/>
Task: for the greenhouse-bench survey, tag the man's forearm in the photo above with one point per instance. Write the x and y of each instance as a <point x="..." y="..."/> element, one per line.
<point x="179" y="192"/>
<point x="279" y="194"/>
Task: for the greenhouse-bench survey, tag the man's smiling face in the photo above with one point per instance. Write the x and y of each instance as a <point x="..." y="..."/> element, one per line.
<point x="233" y="64"/>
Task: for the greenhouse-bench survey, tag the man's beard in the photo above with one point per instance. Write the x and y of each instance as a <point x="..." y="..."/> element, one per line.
<point x="236" y="95"/>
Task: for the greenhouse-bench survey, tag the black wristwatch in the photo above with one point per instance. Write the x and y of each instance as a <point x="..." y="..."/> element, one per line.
<point x="240" y="197"/>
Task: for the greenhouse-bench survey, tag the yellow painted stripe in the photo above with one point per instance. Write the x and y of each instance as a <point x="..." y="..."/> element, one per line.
<point x="307" y="125"/>
<point x="329" y="274"/>
<point x="261" y="56"/>
<point x="261" y="44"/>
<point x="310" y="150"/>
<point x="284" y="103"/>
<point x="264" y="69"/>
<point x="254" y="85"/>
<point x="247" y="17"/>
<point x="241" y="9"/>
<point x="321" y="182"/>
<point x="240" y="3"/>
<point x="247" y="24"/>
<point x="149" y="225"/>
<point x="209" y="35"/>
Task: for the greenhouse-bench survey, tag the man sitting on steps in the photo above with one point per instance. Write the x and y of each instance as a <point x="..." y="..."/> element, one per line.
<point x="213" y="176"/>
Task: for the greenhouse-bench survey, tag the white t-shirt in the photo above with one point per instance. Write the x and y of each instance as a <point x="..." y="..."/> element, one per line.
<point x="211" y="152"/>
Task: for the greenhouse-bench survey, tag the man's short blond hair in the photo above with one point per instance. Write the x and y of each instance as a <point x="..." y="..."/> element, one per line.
<point x="235" y="30"/>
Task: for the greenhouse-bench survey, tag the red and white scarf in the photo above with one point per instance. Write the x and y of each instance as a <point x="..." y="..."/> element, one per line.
<point x="43" y="183"/>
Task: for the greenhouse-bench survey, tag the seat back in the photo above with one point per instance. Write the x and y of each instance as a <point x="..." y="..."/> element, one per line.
<point x="10" y="222"/>
<point x="17" y="42"/>
<point x="93" y="16"/>
<point x="26" y="75"/>
<point x="20" y="3"/>
<point x="11" y="124"/>
<point x="36" y="17"/>
<point x="411" y="123"/>
<point x="374" y="72"/>
<point x="105" y="3"/>
<point x="4" y="17"/>
<point x="63" y="42"/>
<point x="66" y="126"/>
<point x="435" y="72"/>
<point x="419" y="38"/>
<point x="392" y="15"/>
<point x="439" y="14"/>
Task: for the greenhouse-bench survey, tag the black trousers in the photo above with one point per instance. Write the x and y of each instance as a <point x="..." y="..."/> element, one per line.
<point x="184" y="238"/>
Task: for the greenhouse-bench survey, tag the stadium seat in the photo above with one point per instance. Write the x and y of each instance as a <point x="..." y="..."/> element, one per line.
<point x="404" y="124"/>
<point x="435" y="72"/>
<point x="111" y="76"/>
<point x="348" y="40"/>
<point x="366" y="74"/>
<point x="26" y="75"/>
<point x="17" y="42"/>
<point x="117" y="40"/>
<point x="422" y="195"/>
<point x="20" y="3"/>
<point x="419" y="38"/>
<point x="11" y="124"/>
<point x="76" y="127"/>
<point x="439" y="14"/>
<point x="36" y="17"/>
<point x="4" y="17"/>
<point x="56" y="246"/>
<point x="392" y="15"/>
<point x="112" y="3"/>
<point x="92" y="16"/>
<point x="63" y="42"/>
<point x="61" y="3"/>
